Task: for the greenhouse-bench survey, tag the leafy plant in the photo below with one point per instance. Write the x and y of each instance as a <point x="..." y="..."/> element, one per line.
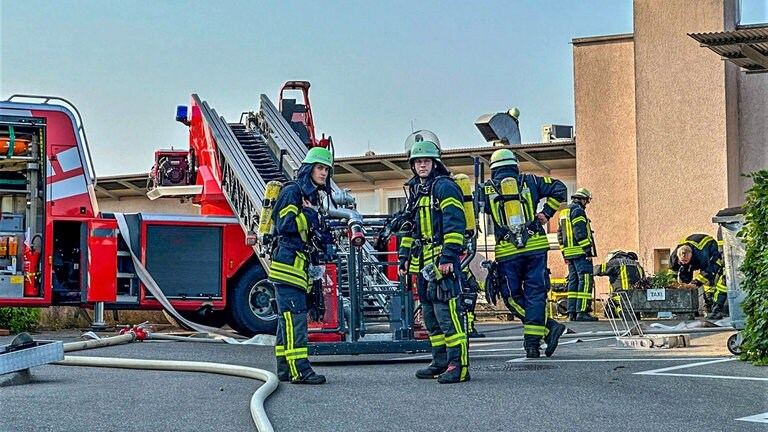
<point x="755" y="269"/>
<point x="662" y="279"/>
<point x="19" y="319"/>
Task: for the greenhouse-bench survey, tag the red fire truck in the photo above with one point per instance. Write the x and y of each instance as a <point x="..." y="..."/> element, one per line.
<point x="58" y="248"/>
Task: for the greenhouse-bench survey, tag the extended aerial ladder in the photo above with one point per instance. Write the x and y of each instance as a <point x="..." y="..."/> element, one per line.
<point x="235" y="161"/>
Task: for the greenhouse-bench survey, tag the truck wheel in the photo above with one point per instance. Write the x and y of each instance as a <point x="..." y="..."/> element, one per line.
<point x="251" y="304"/>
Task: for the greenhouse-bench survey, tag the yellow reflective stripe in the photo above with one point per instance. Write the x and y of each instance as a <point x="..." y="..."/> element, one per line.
<point x="280" y="350"/>
<point x="454" y="316"/>
<point x="301" y="225"/>
<point x="287" y="269"/>
<point x="553" y="203"/>
<point x="579" y="219"/>
<point x="455" y="238"/>
<point x="460" y="338"/>
<point x="529" y="213"/>
<point x="406" y="242"/>
<point x="452" y="341"/>
<point x="516" y="306"/>
<point x="296" y="354"/>
<point x="698" y="245"/>
<point x="287" y="278"/>
<point x="573" y="251"/>
<point x="289" y="344"/>
<point x="451" y="201"/>
<point x="537" y="242"/>
<point x="699" y="277"/>
<point x="547" y="179"/>
<point x="437" y="340"/>
<point x="624" y="277"/>
<point x="584" y="243"/>
<point x="290" y="208"/>
<point x="534" y="330"/>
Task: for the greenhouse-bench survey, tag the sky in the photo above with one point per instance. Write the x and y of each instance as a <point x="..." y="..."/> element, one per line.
<point x="377" y="68"/>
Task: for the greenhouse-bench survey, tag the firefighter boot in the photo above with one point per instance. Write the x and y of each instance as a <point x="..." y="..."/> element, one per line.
<point x="310" y="378"/>
<point x="439" y="361"/>
<point x="430" y="372"/>
<point x="716" y="313"/>
<point x="531" y="345"/>
<point x="553" y="337"/>
<point x="583" y="316"/>
<point x="454" y="374"/>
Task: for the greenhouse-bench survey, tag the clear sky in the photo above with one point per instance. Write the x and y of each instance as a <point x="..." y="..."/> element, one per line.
<point x="376" y="67"/>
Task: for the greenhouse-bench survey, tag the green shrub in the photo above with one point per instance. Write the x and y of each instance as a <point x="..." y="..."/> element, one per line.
<point x="19" y="319"/>
<point x="755" y="269"/>
<point x="662" y="279"/>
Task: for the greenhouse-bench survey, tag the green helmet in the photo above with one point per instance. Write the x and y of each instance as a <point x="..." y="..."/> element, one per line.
<point x="515" y="113"/>
<point x="582" y="193"/>
<point x="319" y="155"/>
<point x="503" y="157"/>
<point x="424" y="149"/>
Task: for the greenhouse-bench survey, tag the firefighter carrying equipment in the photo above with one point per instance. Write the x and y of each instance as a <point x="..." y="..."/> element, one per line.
<point x="266" y="223"/>
<point x="532" y="189"/>
<point x="294" y="224"/>
<point x="706" y="258"/>
<point x="462" y="180"/>
<point x="575" y="232"/>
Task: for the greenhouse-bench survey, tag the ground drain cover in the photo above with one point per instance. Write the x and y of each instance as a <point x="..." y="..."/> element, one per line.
<point x="512" y="368"/>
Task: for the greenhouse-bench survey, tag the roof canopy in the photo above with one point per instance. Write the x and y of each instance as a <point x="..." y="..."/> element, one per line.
<point x="746" y="47"/>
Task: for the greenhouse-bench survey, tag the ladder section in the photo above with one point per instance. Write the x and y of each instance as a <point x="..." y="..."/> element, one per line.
<point x="256" y="149"/>
<point x="241" y="183"/>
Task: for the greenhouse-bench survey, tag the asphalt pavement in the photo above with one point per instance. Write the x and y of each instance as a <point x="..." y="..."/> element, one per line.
<point x="587" y="385"/>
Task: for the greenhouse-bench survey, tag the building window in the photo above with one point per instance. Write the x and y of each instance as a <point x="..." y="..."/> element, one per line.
<point x="395" y="204"/>
<point x="660" y="260"/>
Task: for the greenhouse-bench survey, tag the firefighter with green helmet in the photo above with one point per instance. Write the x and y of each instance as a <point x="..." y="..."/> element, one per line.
<point x="296" y="218"/>
<point x="578" y="247"/>
<point x="520" y="271"/>
<point x="430" y="252"/>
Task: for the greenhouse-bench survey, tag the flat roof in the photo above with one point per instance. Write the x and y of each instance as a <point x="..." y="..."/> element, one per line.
<point x="746" y="47"/>
<point x="371" y="168"/>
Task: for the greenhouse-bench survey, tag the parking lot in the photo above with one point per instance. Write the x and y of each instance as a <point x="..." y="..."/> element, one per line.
<point x="587" y="384"/>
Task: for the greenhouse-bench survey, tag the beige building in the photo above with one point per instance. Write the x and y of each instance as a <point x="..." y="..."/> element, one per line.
<point x="664" y="127"/>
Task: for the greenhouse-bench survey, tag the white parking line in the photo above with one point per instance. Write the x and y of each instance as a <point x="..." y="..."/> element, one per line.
<point x="759" y="418"/>
<point x="628" y="360"/>
<point x="664" y="371"/>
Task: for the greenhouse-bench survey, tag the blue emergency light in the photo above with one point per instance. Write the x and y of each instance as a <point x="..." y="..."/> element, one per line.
<point x="181" y="114"/>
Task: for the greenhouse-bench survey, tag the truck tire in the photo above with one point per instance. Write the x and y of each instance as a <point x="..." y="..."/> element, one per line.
<point x="252" y="309"/>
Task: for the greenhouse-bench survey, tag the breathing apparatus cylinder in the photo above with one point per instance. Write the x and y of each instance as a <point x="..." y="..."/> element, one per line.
<point x="514" y="217"/>
<point x="266" y="226"/>
<point x="462" y="180"/>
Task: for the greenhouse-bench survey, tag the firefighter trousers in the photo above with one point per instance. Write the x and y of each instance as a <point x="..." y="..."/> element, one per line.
<point x="291" y="337"/>
<point x="443" y="321"/>
<point x="581" y="283"/>
<point x="526" y="285"/>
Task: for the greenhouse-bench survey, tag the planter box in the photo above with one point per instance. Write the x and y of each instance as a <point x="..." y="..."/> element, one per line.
<point x="677" y="301"/>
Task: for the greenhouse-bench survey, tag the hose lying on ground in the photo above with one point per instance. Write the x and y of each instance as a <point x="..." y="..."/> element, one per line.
<point x="258" y="414"/>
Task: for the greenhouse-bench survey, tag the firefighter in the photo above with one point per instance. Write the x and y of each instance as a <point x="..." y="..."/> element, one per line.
<point x="578" y="247"/>
<point x="511" y="199"/>
<point x="435" y="205"/>
<point x="699" y="252"/>
<point x="623" y="270"/>
<point x="296" y="219"/>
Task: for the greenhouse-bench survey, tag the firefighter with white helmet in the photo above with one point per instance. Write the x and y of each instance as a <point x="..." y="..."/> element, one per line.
<point x="431" y="252"/>
<point x="578" y="247"/>
<point x="511" y="199"/>
<point x="296" y="218"/>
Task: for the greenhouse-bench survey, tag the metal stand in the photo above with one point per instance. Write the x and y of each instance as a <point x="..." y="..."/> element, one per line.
<point x="98" y="323"/>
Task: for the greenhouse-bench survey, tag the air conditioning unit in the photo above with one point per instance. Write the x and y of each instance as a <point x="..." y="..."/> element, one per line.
<point x="553" y="132"/>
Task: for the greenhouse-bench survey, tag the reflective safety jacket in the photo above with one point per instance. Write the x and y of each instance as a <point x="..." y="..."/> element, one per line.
<point x="436" y="208"/>
<point x="575" y="232"/>
<point x="295" y="224"/>
<point x="622" y="271"/>
<point x="706" y="259"/>
<point x="532" y="190"/>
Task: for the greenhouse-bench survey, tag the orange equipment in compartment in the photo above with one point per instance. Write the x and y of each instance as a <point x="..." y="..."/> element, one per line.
<point x="9" y="246"/>
<point x="20" y="146"/>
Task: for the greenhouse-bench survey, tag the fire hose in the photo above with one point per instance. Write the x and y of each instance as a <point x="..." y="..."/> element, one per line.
<point x="258" y="414"/>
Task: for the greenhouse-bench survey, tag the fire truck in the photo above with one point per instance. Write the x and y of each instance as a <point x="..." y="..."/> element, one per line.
<point x="58" y="248"/>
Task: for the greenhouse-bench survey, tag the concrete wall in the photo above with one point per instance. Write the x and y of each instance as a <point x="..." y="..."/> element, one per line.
<point x="681" y="93"/>
<point x="606" y="151"/>
<point x="753" y="125"/>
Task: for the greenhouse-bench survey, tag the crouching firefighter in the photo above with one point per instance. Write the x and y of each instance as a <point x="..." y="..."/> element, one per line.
<point x="511" y="200"/>
<point x="296" y="218"/>
<point x="431" y="252"/>
<point x="700" y="252"/>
